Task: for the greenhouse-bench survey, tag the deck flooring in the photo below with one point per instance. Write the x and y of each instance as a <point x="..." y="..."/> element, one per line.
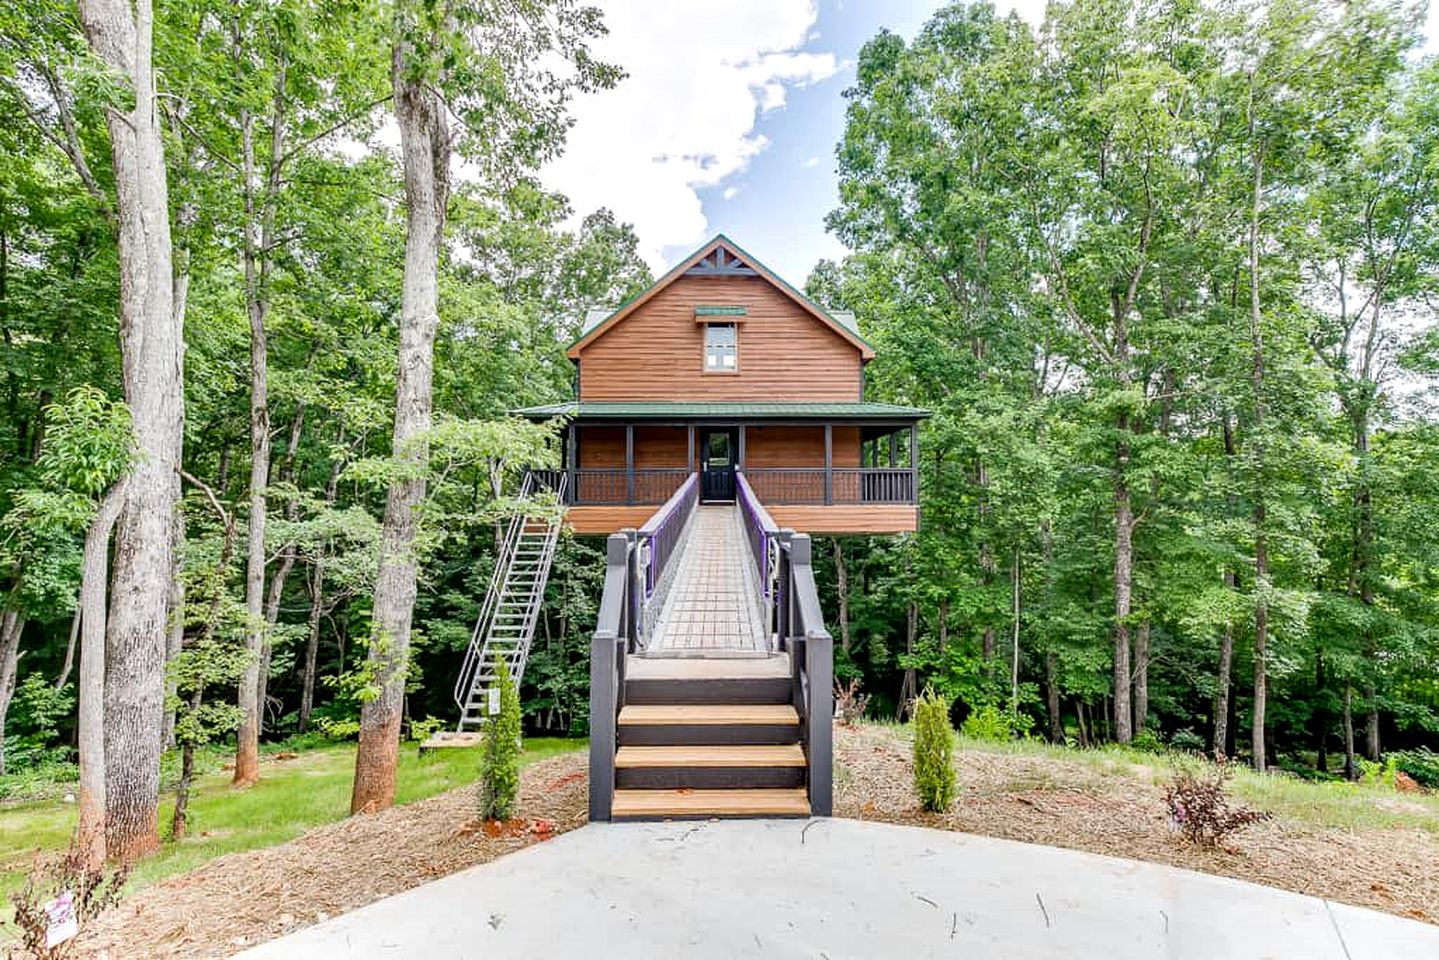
<point x="713" y="606"/>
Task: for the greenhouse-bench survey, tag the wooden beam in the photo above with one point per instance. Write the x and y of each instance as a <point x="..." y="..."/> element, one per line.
<point x="739" y="459"/>
<point x="692" y="448"/>
<point x="828" y="464"/>
<point x="629" y="463"/>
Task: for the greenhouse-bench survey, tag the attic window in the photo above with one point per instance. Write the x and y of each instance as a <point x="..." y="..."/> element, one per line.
<point x="721" y="348"/>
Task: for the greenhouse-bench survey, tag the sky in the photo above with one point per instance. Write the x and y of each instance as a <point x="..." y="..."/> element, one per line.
<point x="728" y="121"/>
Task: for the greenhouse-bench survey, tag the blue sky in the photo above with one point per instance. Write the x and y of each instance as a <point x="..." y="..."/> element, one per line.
<point x="728" y="120"/>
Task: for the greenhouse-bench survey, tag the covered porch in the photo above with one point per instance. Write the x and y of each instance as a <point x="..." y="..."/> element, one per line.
<point x="818" y="467"/>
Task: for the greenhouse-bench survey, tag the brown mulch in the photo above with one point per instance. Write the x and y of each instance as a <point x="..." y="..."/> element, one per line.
<point x="1063" y="804"/>
<point x="241" y="899"/>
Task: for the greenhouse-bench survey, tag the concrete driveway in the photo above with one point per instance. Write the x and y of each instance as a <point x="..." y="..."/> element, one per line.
<point x="842" y="888"/>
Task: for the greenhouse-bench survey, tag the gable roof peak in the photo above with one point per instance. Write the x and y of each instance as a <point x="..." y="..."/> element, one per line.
<point x="735" y="261"/>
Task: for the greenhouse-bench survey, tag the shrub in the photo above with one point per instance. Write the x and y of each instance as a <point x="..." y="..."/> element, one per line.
<point x="1147" y="741"/>
<point x="422" y="730"/>
<point x="1188" y="741"/>
<point x="88" y="892"/>
<point x="500" y="763"/>
<point x="1200" y="811"/>
<point x="1382" y="774"/>
<point x="1422" y="765"/>
<point x="933" y="753"/>
<point x="988" y="723"/>
<point x="849" y="702"/>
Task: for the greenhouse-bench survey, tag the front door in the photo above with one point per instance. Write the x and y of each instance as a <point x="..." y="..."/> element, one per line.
<point x="717" y="462"/>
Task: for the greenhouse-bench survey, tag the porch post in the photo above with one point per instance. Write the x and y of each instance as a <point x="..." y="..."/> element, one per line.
<point x="914" y="463"/>
<point x="691" y="460"/>
<point x="739" y="460"/>
<point x="893" y="455"/>
<point x="630" y="463"/>
<point x="828" y="464"/>
<point x="572" y="437"/>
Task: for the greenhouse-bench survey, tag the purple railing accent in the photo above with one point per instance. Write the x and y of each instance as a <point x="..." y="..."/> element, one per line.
<point x="663" y="529"/>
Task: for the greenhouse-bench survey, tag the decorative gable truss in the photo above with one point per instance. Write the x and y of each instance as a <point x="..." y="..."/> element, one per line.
<point x="721" y="262"/>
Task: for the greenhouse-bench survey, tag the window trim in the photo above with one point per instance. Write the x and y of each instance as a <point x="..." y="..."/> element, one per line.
<point x="705" y="367"/>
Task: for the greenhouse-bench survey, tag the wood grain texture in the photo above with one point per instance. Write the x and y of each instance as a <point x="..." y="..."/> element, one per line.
<point x="854" y="518"/>
<point x="655" y="446"/>
<point x="796" y="446"/>
<point x="657" y="352"/>
<point x="790" y="802"/>
<point x="696" y="714"/>
<point x="744" y="755"/>
<point x="605" y="520"/>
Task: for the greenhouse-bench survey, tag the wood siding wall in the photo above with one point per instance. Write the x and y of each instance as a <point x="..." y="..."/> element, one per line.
<point x="765" y="446"/>
<point x="869" y="518"/>
<point x="657" y="353"/>
<point x="604" y="447"/>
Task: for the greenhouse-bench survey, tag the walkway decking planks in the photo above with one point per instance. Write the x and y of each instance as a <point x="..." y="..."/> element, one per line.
<point x="713" y="607"/>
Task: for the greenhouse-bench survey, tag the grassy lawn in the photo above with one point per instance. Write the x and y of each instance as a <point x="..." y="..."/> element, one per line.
<point x="293" y="795"/>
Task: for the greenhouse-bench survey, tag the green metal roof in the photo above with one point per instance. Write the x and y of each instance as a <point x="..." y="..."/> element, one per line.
<point x="657" y="410"/>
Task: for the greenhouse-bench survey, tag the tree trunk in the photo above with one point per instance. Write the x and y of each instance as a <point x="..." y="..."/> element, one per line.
<point x="68" y="666"/>
<point x="175" y="637"/>
<point x="1084" y="740"/>
<point x="187" y="774"/>
<point x="12" y="624"/>
<point x="1141" y="676"/>
<point x="1223" y="693"/>
<point x="282" y="570"/>
<point x="841" y="585"/>
<point x="1014" y="588"/>
<point x="1351" y="769"/>
<point x="909" y="689"/>
<point x="151" y="347"/>
<point x="94" y="576"/>
<point x="317" y="603"/>
<point x="1261" y="536"/>
<point x="425" y="148"/>
<point x="1051" y="688"/>
<point x="1123" y="586"/>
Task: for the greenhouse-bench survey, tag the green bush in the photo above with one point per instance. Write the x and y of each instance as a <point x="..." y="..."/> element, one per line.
<point x="500" y="762"/>
<point x="1147" y="741"/>
<point x="933" y="753"/>
<point x="1188" y="741"/>
<point x="988" y="723"/>
<point x="1422" y="765"/>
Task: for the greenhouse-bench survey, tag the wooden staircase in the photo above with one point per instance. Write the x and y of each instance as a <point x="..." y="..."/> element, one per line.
<point x="704" y="738"/>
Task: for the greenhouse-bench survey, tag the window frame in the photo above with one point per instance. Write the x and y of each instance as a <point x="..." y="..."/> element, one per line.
<point x="733" y="346"/>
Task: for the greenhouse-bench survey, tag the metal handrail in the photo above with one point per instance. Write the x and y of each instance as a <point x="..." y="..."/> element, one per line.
<point x="763" y="535"/>
<point x="504" y="560"/>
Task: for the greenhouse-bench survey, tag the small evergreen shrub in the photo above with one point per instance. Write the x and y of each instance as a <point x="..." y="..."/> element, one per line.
<point x="1422" y="766"/>
<point x="500" y="762"/>
<point x="933" y="753"/>
<point x="1201" y="813"/>
<point x="988" y="723"/>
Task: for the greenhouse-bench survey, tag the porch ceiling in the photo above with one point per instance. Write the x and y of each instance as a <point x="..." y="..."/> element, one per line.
<point x="680" y="412"/>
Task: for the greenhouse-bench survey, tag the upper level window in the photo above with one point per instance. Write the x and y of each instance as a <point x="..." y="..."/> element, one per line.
<point x="721" y="348"/>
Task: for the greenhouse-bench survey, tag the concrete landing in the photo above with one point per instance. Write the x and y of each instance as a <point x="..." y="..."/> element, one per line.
<point x="843" y="888"/>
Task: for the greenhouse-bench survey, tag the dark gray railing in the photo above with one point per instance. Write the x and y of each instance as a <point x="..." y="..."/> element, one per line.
<point x="811" y="656"/>
<point x="660" y="540"/>
<point x="841" y="485"/>
<point x="763" y="535"/>
<point x="614" y="639"/>
<point x="606" y="486"/>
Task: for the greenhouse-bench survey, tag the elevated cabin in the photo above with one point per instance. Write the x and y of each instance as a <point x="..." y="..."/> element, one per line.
<point x="722" y="367"/>
<point x="719" y="421"/>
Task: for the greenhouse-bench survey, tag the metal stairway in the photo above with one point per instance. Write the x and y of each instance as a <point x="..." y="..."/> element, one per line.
<point x="506" y="625"/>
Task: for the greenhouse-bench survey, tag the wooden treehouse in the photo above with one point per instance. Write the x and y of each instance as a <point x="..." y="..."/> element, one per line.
<point x="719" y="420"/>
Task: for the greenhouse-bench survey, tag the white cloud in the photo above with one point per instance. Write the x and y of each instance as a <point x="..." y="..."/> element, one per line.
<point x="684" y="119"/>
<point x="730" y="193"/>
<point x="811" y="163"/>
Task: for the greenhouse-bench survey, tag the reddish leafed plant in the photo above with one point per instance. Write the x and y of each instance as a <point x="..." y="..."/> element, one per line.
<point x="1201" y="812"/>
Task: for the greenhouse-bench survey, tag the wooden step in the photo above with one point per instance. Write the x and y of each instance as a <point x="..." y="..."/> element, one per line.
<point x="691" y="804"/>
<point x="748" y="755"/>
<point x="700" y="724"/>
<point x="715" y="767"/>
<point x="695" y="714"/>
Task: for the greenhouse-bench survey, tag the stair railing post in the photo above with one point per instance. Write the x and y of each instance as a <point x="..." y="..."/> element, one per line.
<point x="634" y="591"/>
<point x="605" y="679"/>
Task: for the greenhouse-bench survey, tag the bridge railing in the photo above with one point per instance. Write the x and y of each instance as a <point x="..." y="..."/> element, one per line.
<point x="615" y="637"/>
<point x="811" y="656"/>
<point x="763" y="535"/>
<point x="661" y="540"/>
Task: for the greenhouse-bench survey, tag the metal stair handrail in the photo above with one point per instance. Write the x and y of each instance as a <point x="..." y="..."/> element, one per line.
<point x="504" y="560"/>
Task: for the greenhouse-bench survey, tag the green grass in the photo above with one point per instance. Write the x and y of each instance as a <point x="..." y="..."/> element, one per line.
<point x="292" y="796"/>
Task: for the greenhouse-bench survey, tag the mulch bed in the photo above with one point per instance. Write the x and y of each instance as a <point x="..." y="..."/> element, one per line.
<point x="241" y="899"/>
<point x="1049" y="801"/>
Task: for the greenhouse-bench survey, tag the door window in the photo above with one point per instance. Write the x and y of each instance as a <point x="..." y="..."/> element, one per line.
<point x="718" y="450"/>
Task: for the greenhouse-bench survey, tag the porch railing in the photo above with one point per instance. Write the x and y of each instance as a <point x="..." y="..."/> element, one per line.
<point x="595" y="486"/>
<point x="811" y="657"/>
<point x="763" y="535"/>
<point x="838" y="485"/>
